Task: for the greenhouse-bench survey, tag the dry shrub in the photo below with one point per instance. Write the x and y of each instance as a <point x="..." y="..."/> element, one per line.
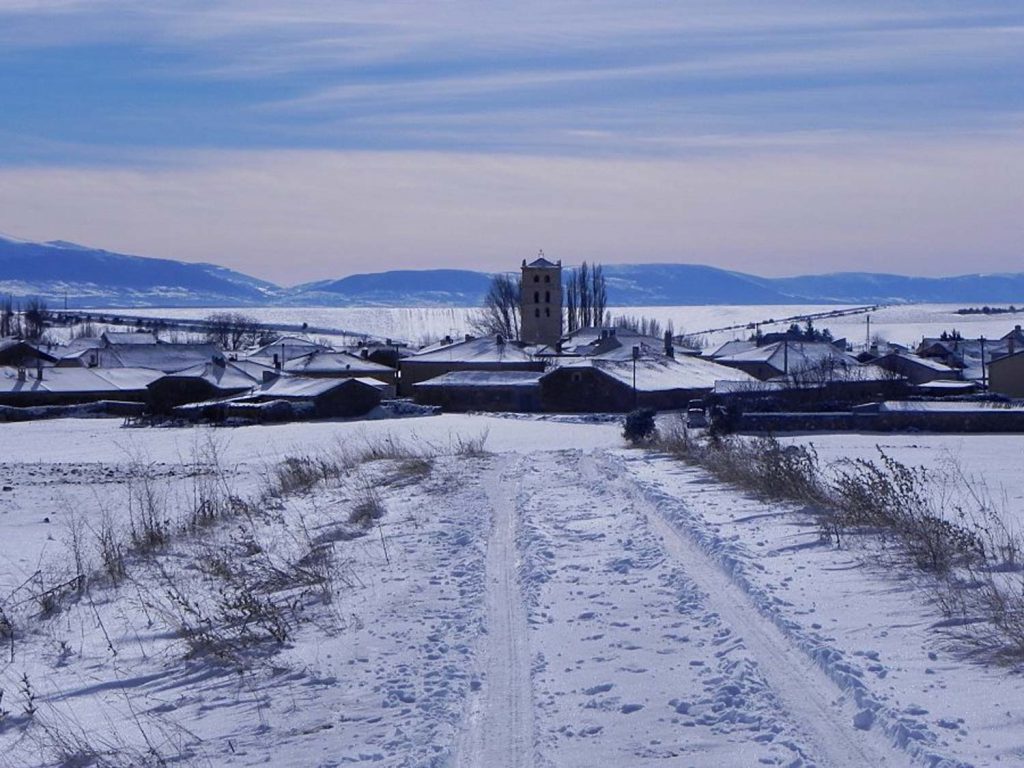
<point x="470" y="446"/>
<point x="973" y="559"/>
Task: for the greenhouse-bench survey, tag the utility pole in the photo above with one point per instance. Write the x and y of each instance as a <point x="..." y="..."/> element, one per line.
<point x="984" y="382"/>
<point x="868" y="336"/>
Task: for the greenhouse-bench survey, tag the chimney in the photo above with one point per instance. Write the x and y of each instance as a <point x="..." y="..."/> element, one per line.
<point x="277" y="363"/>
<point x="364" y="353"/>
<point x="447" y="339"/>
<point x="21" y="374"/>
<point x="669" y="351"/>
<point x="469" y="337"/>
<point x="39" y="370"/>
<point x="499" y="340"/>
<point x="604" y="333"/>
<point x="270" y="376"/>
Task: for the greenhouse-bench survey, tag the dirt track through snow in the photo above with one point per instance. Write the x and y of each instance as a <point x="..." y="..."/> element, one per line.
<point x="642" y="649"/>
<point x="499" y="727"/>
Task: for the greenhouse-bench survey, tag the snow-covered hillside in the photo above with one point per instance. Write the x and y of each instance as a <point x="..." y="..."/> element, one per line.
<point x="90" y="277"/>
<point x="386" y="592"/>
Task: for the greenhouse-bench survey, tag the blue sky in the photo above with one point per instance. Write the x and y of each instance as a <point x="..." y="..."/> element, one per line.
<point x="300" y="140"/>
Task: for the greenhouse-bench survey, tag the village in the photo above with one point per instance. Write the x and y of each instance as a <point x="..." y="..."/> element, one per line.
<point x="800" y="379"/>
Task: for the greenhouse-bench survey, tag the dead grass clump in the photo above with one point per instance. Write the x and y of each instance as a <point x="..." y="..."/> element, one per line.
<point x="470" y="446"/>
<point x="369" y="508"/>
<point x="148" y="517"/>
<point x="414" y="468"/>
<point x="296" y="474"/>
<point x="112" y="550"/>
<point x="889" y="497"/>
<point x="764" y="466"/>
<point x="383" y="447"/>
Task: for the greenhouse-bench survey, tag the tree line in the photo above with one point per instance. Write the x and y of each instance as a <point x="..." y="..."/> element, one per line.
<point x="26" y="321"/>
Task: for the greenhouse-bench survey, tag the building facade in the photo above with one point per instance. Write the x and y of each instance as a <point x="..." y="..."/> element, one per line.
<point x="540" y="302"/>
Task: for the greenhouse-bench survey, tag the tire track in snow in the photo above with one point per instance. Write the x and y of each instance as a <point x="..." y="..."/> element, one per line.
<point x="810" y="698"/>
<point x="499" y="726"/>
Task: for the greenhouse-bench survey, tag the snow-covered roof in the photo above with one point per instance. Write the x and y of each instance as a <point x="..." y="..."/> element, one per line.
<point x="75" y="346"/>
<point x="732" y="348"/>
<point x="925" y="362"/>
<point x="791" y="356"/>
<point x="944" y="406"/>
<point x="302" y="387"/>
<point x="78" y="380"/>
<point x="482" y="350"/>
<point x="656" y="374"/>
<point x="227" y="376"/>
<point x="947" y="385"/>
<point x="296" y="345"/>
<point x="333" y="363"/>
<point x="542" y="262"/>
<point x="168" y="358"/>
<point x="484" y="379"/>
<point x="129" y="337"/>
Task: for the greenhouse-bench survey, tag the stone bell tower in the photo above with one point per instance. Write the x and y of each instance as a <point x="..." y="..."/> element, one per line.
<point x="540" y="301"/>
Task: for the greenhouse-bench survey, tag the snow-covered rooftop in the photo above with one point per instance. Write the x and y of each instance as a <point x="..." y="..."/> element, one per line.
<point x="656" y="374"/>
<point x="129" y="337"/>
<point x="791" y="355"/>
<point x="482" y="350"/>
<point x="732" y="348"/>
<point x="325" y="363"/>
<point x="77" y="380"/>
<point x="227" y="376"/>
<point x="168" y="358"/>
<point x="302" y="387"/>
<point x="485" y="379"/>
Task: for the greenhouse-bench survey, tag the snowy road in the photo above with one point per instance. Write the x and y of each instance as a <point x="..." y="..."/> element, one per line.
<point x="499" y="729"/>
<point x="642" y="648"/>
<point x="561" y="601"/>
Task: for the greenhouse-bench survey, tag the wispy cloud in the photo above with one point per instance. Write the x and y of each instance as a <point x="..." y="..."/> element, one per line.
<point x="925" y="207"/>
<point x="331" y="129"/>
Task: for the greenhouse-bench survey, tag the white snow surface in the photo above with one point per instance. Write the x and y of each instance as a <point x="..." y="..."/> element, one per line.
<point x="905" y="324"/>
<point x="558" y="601"/>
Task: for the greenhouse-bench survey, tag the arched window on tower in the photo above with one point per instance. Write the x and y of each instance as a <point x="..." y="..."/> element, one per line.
<point x="536" y="297"/>
<point x="547" y="311"/>
<point x="536" y="278"/>
<point x="547" y="278"/>
<point x="536" y="312"/>
<point x="547" y="297"/>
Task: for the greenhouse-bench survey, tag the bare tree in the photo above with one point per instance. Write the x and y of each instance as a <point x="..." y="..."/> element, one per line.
<point x="586" y="297"/>
<point x="572" y="304"/>
<point x="598" y="295"/>
<point x="233" y="330"/>
<point x="34" y="318"/>
<point x="8" y="317"/>
<point x="500" y="312"/>
<point x="582" y="277"/>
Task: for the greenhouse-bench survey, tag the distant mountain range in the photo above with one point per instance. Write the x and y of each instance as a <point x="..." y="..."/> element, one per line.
<point x="90" y="277"/>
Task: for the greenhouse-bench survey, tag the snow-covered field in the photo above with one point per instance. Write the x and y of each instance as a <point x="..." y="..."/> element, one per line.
<point x="905" y="324"/>
<point x="557" y="601"/>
